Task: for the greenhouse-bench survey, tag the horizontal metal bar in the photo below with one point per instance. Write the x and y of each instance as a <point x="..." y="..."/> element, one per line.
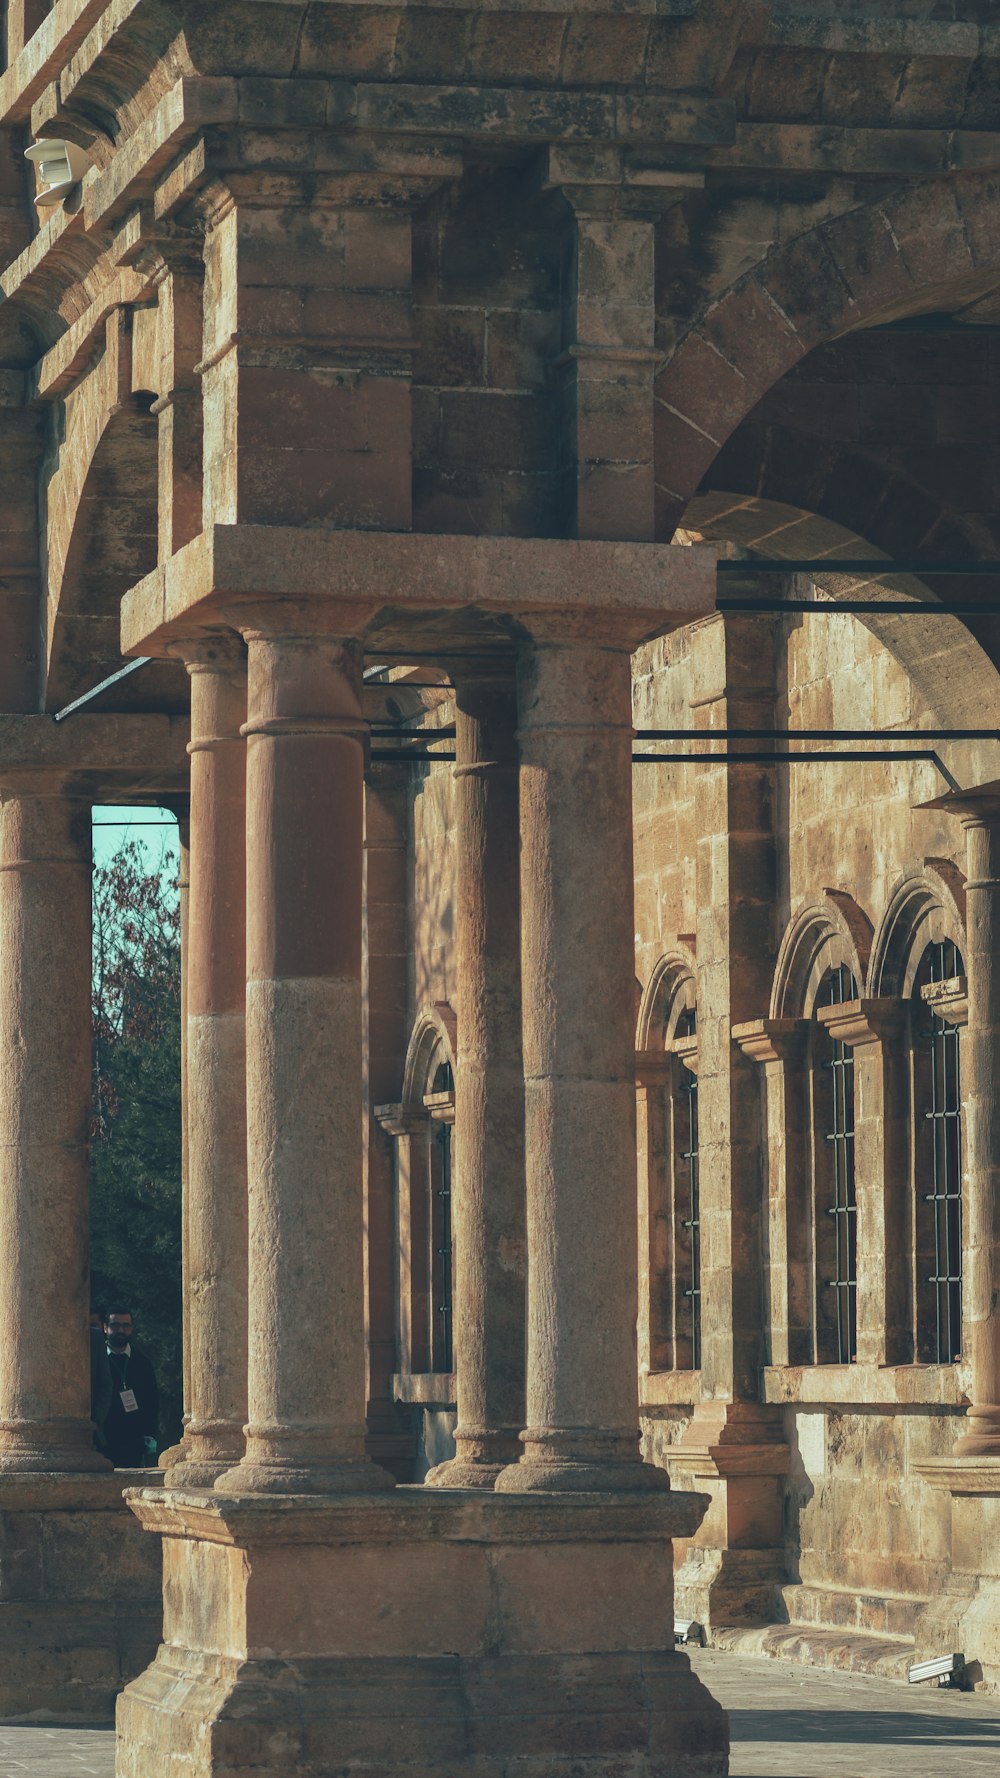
<point x="861" y="607"/>
<point x="816" y="734"/>
<point x="855" y="565"/>
<point x="395" y="754"/>
<point x="850" y="755"/>
<point x="141" y="660"/>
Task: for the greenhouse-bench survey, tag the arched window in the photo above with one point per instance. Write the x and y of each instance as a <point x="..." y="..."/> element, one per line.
<point x="687" y="1208"/>
<point x="422" y="1126"/>
<point x="667" y="1128"/>
<point x="835" y="1209"/>
<point x="937" y="1152"/>
<point x="441" y="1104"/>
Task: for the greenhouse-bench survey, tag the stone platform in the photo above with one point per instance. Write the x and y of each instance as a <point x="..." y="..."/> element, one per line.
<point x="453" y="1632"/>
<point x="79" y="1595"/>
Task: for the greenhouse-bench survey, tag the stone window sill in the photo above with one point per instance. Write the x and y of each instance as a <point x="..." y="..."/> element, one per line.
<point x="668" y="1389"/>
<point x="865" y="1385"/>
<point x="425" y="1389"/>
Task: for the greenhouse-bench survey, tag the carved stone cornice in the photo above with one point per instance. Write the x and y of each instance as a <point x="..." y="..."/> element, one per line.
<point x="948" y="999"/>
<point x="772" y="1040"/>
<point x="858" y="1022"/>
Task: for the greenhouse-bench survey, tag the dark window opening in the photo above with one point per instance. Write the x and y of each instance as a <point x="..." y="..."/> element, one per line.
<point x="687" y="1245"/>
<point x="836" y="1200"/>
<point x="938" y="1170"/>
<point x="441" y="1243"/>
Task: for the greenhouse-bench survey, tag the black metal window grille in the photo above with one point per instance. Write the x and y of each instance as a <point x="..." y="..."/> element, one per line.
<point x="839" y="986"/>
<point x="688" y="1158"/>
<point x="940" y="1331"/>
<point x="442" y="1304"/>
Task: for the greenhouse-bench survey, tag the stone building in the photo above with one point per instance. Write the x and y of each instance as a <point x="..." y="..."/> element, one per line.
<point x="540" y="462"/>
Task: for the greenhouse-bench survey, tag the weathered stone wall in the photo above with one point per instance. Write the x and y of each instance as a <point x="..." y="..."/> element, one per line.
<point x="856" y="1517"/>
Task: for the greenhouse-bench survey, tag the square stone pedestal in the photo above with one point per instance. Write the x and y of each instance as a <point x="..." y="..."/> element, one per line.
<point x="964" y="1617"/>
<point x="452" y="1633"/>
<point x="80" y="1595"/>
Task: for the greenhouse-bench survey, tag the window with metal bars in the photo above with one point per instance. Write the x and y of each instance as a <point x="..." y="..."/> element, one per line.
<point x="687" y="1206"/>
<point x="442" y="1255"/>
<point x="937" y="1088"/>
<point x="836" y="1213"/>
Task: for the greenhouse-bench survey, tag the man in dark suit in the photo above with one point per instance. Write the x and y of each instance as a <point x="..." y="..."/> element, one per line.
<point x="130" y="1429"/>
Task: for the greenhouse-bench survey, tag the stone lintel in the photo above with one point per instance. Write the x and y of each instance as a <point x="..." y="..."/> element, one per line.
<point x="771" y="1040"/>
<point x="405" y="589"/>
<point x="875" y="1385"/>
<point x="960" y="1475"/>
<point x="857" y="1022"/>
<point x="416" y="1515"/>
<point x="141" y="752"/>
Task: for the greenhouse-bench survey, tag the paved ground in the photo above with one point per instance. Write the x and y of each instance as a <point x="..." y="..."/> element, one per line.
<point x="787" y="1722"/>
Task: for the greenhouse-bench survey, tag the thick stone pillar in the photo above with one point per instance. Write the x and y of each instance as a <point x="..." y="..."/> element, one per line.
<point x="979" y="812"/>
<point x="733" y="1442"/>
<point x="305" y="783"/>
<point x="216" y="1257"/>
<point x="579" y="1064"/>
<point x="488" y="1204"/>
<point x="45" y="1084"/>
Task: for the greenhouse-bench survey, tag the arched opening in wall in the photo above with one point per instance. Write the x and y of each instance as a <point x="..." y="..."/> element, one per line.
<point x="917" y="966"/>
<point x="936" y="1126"/>
<point x="813" y="1197"/>
<point x="440" y="1103"/>
<point x="101" y="542"/>
<point x="670" y="1307"/>
<point x="422" y="1126"/>
<point x="835" y="1205"/>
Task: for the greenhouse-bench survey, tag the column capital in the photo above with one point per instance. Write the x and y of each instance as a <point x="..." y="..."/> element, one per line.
<point x="209" y="651"/>
<point x="771" y="1040"/>
<point x="979" y="806"/>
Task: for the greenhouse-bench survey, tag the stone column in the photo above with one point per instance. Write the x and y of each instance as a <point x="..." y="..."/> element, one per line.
<point x="979" y="812"/>
<point x="216" y="1066"/>
<point x="488" y="1204"/>
<point x="305" y="783"/>
<point x="45" y="1084"/>
<point x="578" y="973"/>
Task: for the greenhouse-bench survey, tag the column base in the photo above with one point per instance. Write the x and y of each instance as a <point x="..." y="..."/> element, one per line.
<point x="480" y="1457"/>
<point x="456" y="1634"/>
<point x="964" y="1616"/>
<point x="353" y="1478"/>
<point x="580" y="1460"/>
<point x="981" y="1437"/>
<point x="57" y="1447"/>
<point x="80" y="1595"/>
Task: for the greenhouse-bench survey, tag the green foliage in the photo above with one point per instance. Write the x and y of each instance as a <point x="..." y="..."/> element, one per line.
<point x="135" y="1166"/>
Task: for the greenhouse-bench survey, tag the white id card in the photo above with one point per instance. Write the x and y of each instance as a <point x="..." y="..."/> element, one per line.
<point x="128" y="1401"/>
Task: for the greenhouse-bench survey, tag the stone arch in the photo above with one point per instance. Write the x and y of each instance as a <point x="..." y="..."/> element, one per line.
<point x="101" y="518"/>
<point x="913" y="251"/>
<point x="821" y="936"/>
<point x="435" y="1028"/>
<point x="948" y="665"/>
<point x="926" y="905"/>
<point x="671" y="990"/>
